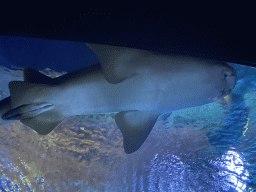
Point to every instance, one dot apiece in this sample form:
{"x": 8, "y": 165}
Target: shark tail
{"x": 5, "y": 106}
{"x": 26, "y": 111}
{"x": 27, "y": 104}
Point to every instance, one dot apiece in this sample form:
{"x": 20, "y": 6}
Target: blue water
{"x": 18, "y": 52}
{"x": 207, "y": 148}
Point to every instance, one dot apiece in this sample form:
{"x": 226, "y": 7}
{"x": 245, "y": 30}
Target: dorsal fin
{"x": 33, "y": 76}
{"x": 118, "y": 63}
{"x": 44, "y": 123}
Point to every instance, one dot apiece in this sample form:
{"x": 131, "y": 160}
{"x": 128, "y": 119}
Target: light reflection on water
{"x": 208, "y": 148}
{"x": 233, "y": 170}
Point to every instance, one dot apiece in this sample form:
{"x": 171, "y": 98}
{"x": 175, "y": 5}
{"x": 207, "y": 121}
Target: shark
{"x": 138, "y": 85}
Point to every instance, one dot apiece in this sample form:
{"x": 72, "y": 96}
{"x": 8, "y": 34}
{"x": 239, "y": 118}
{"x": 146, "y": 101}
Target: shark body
{"x": 138, "y": 84}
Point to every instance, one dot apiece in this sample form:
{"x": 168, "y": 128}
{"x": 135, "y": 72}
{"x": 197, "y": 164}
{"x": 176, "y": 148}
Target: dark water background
{"x": 207, "y": 148}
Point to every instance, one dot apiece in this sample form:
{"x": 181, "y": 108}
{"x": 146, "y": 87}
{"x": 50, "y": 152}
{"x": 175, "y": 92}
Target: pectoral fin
{"x": 135, "y": 127}
{"x": 118, "y": 63}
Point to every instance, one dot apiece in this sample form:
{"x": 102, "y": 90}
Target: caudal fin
{"x": 27, "y": 111}
{"x": 5, "y": 106}
{"x": 28, "y": 102}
